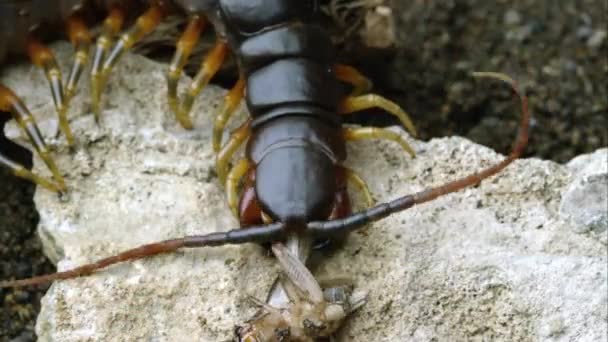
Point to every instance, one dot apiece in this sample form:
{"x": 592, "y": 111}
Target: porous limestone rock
{"x": 511, "y": 259}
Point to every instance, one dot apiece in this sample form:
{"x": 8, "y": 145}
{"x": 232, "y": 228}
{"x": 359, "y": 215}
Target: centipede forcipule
{"x": 293, "y": 179}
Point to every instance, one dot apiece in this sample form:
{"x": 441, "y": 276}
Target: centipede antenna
{"x": 254, "y": 234}
{"x": 355, "y": 221}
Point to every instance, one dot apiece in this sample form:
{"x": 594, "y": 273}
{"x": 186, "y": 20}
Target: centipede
{"x": 291, "y": 187}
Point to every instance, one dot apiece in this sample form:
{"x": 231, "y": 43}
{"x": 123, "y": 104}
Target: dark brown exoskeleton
{"x": 292, "y": 182}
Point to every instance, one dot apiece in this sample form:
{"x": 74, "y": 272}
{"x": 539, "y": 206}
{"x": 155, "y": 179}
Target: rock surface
{"x": 507, "y": 260}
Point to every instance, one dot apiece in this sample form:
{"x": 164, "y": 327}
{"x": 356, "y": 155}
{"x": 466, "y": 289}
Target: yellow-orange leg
{"x": 231, "y": 102}
{"x": 360, "y": 184}
{"x": 145, "y": 24}
{"x": 237, "y": 138}
{"x": 9, "y": 102}
{"x": 350, "y": 75}
{"x": 111, "y": 27}
{"x": 354, "y": 104}
{"x": 81, "y": 40}
{"x": 232, "y": 184}
{"x": 377, "y": 133}
{"x": 43, "y": 57}
{"x": 209, "y": 67}
{"x": 184, "y": 47}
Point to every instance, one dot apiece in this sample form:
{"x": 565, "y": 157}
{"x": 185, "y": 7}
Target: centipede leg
{"x": 350, "y": 75}
{"x": 377, "y": 133}
{"x": 354, "y": 104}
{"x": 209, "y": 67}
{"x": 81, "y": 40}
{"x": 360, "y": 184}
{"x": 184, "y": 48}
{"x": 232, "y": 183}
{"x": 111, "y": 27}
{"x": 144, "y": 25}
{"x": 9, "y": 102}
{"x": 20, "y": 171}
{"x": 237, "y": 138}
{"x": 231, "y": 102}
{"x": 43, "y": 57}
{"x": 355, "y": 221}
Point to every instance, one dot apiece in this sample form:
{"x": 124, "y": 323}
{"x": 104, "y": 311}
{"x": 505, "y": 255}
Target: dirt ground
{"x": 557, "y": 52}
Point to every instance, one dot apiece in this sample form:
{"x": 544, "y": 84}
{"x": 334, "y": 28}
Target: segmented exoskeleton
{"x": 292, "y": 183}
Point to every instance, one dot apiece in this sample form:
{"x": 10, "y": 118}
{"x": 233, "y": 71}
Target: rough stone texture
{"x": 502, "y": 261}
{"x": 586, "y": 199}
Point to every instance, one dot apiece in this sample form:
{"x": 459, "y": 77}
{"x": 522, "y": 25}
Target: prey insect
{"x": 291, "y": 185}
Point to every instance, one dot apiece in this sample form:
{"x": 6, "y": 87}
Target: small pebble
{"x": 597, "y": 38}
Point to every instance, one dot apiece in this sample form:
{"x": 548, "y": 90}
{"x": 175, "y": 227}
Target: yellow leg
{"x": 209, "y": 67}
{"x": 81, "y": 40}
{"x": 360, "y": 184}
{"x": 145, "y": 24}
{"x": 231, "y": 102}
{"x": 111, "y": 27}
{"x": 232, "y": 183}
{"x": 237, "y": 138}
{"x": 377, "y": 133}
{"x": 183, "y": 50}
{"x": 9, "y": 102}
{"x": 20, "y": 171}
{"x": 354, "y": 104}
{"x": 350, "y": 75}
{"x": 43, "y": 57}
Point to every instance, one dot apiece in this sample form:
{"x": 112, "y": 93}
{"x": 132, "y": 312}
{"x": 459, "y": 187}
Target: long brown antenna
{"x": 355, "y": 221}
{"x": 263, "y": 233}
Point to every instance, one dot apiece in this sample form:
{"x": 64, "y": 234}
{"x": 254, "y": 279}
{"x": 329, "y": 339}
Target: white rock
{"x": 502, "y": 261}
{"x": 585, "y": 201}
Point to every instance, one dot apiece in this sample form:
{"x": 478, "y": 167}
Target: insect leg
{"x": 354, "y": 104}
{"x": 184, "y": 47}
{"x": 380, "y": 211}
{"x": 9, "y": 102}
{"x": 377, "y": 133}
{"x": 232, "y": 183}
{"x": 81, "y": 40}
{"x": 237, "y": 138}
{"x": 350, "y": 75}
{"x": 298, "y": 273}
{"x": 145, "y": 24}
{"x": 231, "y": 102}
{"x": 43, "y": 57}
{"x": 209, "y": 67}
{"x": 256, "y": 234}
{"x": 111, "y": 27}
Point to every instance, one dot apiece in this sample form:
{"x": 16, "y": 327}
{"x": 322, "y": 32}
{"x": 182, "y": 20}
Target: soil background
{"x": 557, "y": 51}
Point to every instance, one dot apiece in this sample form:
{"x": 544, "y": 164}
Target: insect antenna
{"x": 255, "y": 234}
{"x": 358, "y": 220}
